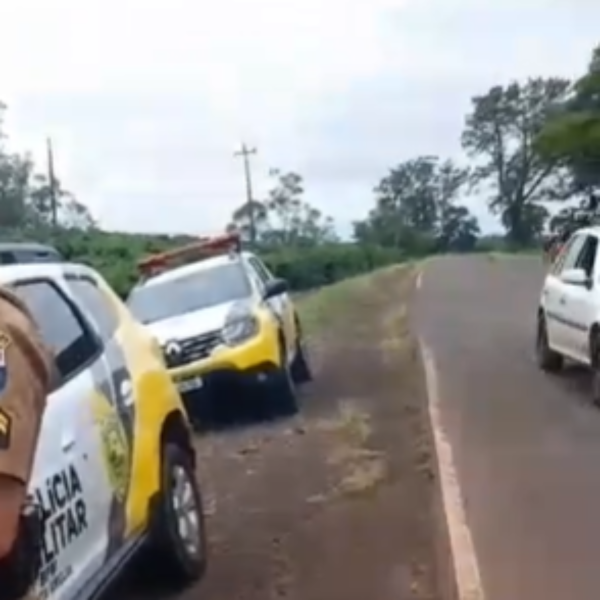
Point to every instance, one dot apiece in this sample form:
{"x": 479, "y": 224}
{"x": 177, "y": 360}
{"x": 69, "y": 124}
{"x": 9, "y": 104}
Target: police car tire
{"x": 284, "y": 396}
{"x": 168, "y": 549}
{"x": 300, "y": 369}
{"x": 546, "y": 358}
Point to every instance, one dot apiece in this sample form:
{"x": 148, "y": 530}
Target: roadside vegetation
{"x": 328, "y": 306}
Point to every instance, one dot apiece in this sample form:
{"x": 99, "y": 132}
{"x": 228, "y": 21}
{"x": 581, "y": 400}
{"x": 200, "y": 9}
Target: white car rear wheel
{"x": 547, "y": 359}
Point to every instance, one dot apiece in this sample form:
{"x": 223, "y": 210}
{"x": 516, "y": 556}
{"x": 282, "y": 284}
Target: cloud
{"x": 146, "y": 101}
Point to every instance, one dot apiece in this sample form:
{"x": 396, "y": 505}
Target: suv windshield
{"x": 203, "y": 289}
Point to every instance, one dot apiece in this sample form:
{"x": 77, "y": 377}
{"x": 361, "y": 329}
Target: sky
{"x": 146, "y": 102}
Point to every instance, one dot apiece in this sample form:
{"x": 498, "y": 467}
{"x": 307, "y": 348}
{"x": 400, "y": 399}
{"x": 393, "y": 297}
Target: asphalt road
{"x": 526, "y": 444}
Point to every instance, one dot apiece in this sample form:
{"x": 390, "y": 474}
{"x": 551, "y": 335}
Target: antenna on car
{"x": 205, "y": 247}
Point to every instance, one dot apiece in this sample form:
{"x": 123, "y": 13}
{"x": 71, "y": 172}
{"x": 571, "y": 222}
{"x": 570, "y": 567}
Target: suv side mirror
{"x": 275, "y": 287}
{"x": 575, "y": 277}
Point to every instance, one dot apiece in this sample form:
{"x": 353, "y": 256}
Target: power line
{"x": 245, "y": 153}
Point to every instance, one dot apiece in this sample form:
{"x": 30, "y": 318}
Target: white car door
{"x": 68, "y": 477}
{"x": 579, "y": 302}
{"x": 554, "y": 296}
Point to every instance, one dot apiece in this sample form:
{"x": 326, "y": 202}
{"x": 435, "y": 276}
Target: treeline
{"x": 306, "y": 267}
{"x": 529, "y": 146}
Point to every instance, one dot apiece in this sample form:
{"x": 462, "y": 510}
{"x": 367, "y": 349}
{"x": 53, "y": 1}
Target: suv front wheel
{"x": 283, "y": 394}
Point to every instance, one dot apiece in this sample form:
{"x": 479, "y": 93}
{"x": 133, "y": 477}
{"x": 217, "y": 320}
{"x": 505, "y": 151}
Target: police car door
{"x": 279, "y": 304}
{"x": 262, "y": 279}
{"x": 68, "y": 481}
{"x": 115, "y": 411}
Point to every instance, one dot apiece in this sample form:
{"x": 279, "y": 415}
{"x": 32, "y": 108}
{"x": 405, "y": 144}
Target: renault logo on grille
{"x": 173, "y": 349}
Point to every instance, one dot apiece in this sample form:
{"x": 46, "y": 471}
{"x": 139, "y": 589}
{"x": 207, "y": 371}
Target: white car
{"x": 114, "y": 468}
{"x": 568, "y": 322}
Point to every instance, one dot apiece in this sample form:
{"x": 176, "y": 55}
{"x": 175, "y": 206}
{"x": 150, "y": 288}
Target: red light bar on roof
{"x": 200, "y": 250}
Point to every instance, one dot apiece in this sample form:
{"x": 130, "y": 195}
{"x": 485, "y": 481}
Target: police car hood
{"x": 195, "y": 323}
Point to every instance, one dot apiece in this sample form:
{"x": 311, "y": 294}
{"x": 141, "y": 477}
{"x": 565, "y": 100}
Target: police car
{"x": 227, "y": 326}
{"x": 27, "y": 252}
{"x": 568, "y": 318}
{"x": 114, "y": 471}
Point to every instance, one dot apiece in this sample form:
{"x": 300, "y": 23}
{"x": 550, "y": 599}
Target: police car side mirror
{"x": 575, "y": 277}
{"x": 275, "y": 287}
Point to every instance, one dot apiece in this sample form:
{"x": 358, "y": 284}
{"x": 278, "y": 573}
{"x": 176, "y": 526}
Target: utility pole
{"x": 52, "y": 184}
{"x": 245, "y": 153}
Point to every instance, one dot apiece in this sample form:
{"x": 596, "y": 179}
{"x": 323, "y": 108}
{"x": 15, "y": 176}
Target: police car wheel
{"x": 300, "y": 369}
{"x": 178, "y": 537}
{"x": 283, "y": 398}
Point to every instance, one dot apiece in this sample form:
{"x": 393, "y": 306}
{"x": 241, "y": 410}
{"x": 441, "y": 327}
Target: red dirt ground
{"x": 341, "y": 502}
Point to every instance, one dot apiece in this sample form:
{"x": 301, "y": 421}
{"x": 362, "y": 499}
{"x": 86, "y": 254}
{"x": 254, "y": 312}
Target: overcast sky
{"x": 146, "y": 101}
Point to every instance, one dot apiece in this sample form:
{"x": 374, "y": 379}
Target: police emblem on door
{"x": 116, "y": 454}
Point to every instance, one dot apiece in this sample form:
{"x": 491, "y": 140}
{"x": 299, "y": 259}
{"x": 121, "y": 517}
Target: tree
{"x": 459, "y": 230}
{"x": 294, "y": 221}
{"x": 571, "y": 135}
{"x": 74, "y": 214}
{"x": 499, "y": 133}
{"x": 415, "y": 207}
{"x": 70, "y": 212}
{"x": 241, "y": 220}
{"x": 284, "y": 218}
{"x": 26, "y": 197}
{"x": 533, "y": 218}
{"x": 15, "y": 175}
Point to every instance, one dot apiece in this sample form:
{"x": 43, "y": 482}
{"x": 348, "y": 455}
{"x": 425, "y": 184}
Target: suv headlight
{"x": 239, "y": 329}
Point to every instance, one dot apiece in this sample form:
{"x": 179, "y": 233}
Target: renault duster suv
{"x": 227, "y": 326}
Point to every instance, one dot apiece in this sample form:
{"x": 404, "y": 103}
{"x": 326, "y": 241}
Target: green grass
{"x": 321, "y": 308}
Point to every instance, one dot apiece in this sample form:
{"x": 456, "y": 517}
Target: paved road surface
{"x": 527, "y": 445}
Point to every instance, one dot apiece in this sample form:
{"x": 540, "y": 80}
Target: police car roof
{"x": 195, "y": 267}
{"x": 21, "y": 272}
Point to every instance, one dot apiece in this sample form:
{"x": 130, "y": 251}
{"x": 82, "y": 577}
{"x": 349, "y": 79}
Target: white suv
{"x": 114, "y": 468}
{"x": 568, "y": 321}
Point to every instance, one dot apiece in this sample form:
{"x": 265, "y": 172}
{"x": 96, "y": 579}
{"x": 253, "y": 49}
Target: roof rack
{"x": 205, "y": 247}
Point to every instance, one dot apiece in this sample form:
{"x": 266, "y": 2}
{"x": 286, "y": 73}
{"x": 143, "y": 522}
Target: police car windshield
{"x": 196, "y": 291}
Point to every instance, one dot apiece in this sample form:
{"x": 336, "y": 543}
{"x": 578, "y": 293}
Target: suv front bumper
{"x": 235, "y": 376}
{"x": 229, "y": 392}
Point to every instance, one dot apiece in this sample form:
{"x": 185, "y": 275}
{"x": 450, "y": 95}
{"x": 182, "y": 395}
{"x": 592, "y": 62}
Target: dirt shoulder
{"x": 339, "y": 503}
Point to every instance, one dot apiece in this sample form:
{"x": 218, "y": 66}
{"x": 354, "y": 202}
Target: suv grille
{"x": 197, "y": 347}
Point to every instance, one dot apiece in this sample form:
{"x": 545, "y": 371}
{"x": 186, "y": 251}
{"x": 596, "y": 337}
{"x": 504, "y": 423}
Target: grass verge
{"x": 374, "y": 438}
{"x": 372, "y": 308}
{"x": 329, "y": 305}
